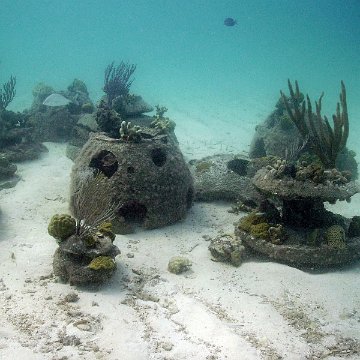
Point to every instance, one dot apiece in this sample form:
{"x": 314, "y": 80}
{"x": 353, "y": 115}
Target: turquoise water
{"x": 186, "y": 58}
{"x": 206, "y": 74}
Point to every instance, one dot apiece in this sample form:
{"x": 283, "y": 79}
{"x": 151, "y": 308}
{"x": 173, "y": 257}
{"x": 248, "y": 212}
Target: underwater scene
{"x": 179, "y": 180}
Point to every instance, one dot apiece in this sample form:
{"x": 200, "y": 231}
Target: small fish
{"x": 230, "y": 21}
{"x": 56, "y": 100}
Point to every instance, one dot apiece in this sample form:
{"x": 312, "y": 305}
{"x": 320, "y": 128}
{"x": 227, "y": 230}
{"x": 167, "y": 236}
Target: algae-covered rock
{"x": 260, "y": 230}
{"x": 89, "y": 246}
{"x": 295, "y": 253}
{"x": 227, "y": 248}
{"x": 102, "y": 263}
{"x": 76, "y": 270}
{"x": 258, "y": 225}
{"x": 334, "y": 236}
{"x": 62, "y": 226}
{"x": 179, "y": 264}
{"x": 86, "y": 259}
{"x": 107, "y": 230}
{"x": 251, "y": 219}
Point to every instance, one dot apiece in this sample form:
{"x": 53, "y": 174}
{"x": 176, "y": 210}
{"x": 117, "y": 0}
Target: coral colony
{"x": 291, "y": 224}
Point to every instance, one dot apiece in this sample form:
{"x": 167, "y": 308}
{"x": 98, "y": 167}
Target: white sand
{"x": 261, "y": 310}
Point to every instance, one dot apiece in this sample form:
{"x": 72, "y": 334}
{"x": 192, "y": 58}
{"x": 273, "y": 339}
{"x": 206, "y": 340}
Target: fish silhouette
{"x": 230, "y": 21}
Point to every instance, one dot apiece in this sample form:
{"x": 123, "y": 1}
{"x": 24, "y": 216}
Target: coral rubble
{"x": 227, "y": 248}
{"x": 179, "y": 264}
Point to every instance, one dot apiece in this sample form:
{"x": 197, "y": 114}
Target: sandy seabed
{"x": 260, "y": 310}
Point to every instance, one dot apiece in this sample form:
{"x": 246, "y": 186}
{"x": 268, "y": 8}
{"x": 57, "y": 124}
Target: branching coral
{"x": 160, "y": 111}
{"x": 130, "y": 132}
{"x": 7, "y": 93}
{"x": 117, "y": 80}
{"x": 325, "y": 141}
{"x": 160, "y": 122}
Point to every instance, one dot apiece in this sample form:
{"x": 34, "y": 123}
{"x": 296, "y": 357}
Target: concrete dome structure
{"x": 148, "y": 181}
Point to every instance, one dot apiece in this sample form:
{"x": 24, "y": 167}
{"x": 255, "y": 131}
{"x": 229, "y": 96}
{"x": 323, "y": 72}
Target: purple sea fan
{"x": 118, "y": 80}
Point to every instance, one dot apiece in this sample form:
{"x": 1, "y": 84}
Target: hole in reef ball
{"x": 158, "y": 156}
{"x": 133, "y": 211}
{"x": 105, "y": 161}
{"x": 238, "y": 166}
{"x": 130, "y": 169}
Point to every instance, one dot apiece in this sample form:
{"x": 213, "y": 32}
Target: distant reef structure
{"x": 52, "y": 117}
{"x": 54, "y": 114}
{"x": 16, "y": 141}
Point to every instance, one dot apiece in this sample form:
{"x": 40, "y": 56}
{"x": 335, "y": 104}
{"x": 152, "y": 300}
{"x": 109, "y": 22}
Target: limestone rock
{"x": 227, "y": 248}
